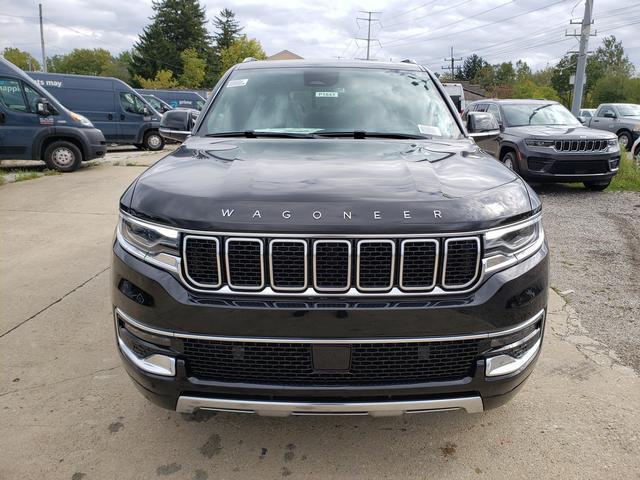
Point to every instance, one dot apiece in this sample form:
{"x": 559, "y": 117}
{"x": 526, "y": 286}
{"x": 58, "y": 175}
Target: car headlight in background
{"x": 155, "y": 244}
{"x": 613, "y": 142}
{"x": 81, "y": 119}
{"x": 636, "y": 127}
{"x": 507, "y": 246}
{"x": 534, "y": 142}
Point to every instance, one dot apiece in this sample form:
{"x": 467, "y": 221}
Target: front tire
{"x": 624, "y": 138}
{"x": 597, "y": 186}
{"x": 63, "y": 156}
{"x": 153, "y": 141}
{"x": 509, "y": 161}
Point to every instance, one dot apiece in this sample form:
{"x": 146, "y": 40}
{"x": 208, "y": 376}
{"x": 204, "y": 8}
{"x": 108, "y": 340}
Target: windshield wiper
{"x": 360, "y": 134}
{"x": 256, "y": 134}
{"x": 536, "y": 110}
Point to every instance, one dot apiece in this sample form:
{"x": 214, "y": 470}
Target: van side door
{"x": 133, "y": 113}
{"x": 19, "y": 120}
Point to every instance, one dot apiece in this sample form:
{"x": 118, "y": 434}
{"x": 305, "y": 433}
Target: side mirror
{"x": 582, "y": 119}
{"x": 482, "y": 125}
{"x": 609, "y": 115}
{"x": 177, "y": 124}
{"x": 146, "y": 111}
{"x": 43, "y": 107}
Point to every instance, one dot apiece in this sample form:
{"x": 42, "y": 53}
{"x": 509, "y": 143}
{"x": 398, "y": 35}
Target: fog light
{"x": 156, "y": 363}
{"x": 505, "y": 364}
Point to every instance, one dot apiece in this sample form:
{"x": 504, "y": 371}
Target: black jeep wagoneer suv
{"x": 329, "y": 239}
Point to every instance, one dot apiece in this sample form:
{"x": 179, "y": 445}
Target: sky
{"x": 497, "y": 30}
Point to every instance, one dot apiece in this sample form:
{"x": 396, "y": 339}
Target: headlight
{"x": 152, "y": 243}
{"x": 534, "y": 142}
{"x": 507, "y": 246}
{"x": 613, "y": 142}
{"x": 81, "y": 119}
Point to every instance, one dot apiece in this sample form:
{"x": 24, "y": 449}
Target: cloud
{"x": 419, "y": 29}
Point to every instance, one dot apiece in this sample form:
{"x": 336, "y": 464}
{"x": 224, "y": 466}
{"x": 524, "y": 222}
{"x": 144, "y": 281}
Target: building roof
{"x": 285, "y": 55}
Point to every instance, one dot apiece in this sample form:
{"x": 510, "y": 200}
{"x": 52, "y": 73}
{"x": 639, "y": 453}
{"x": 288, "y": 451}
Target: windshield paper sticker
{"x": 429, "y": 130}
{"x": 327, "y": 94}
{"x": 237, "y": 83}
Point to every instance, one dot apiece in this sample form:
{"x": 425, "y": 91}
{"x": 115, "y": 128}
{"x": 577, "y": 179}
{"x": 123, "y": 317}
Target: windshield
{"x": 310, "y": 100}
{"x": 519, "y": 114}
{"x": 629, "y": 110}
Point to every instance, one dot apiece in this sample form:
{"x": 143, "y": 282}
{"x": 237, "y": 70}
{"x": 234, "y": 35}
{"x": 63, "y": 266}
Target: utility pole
{"x": 368, "y": 19}
{"x": 44, "y": 57}
{"x": 453, "y": 61}
{"x": 585, "y": 33}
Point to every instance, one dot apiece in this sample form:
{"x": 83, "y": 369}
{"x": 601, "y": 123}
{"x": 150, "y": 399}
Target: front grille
{"x": 580, "y": 145}
{"x": 292, "y": 364}
{"x": 571, "y": 167}
{"x": 330, "y": 265}
{"x": 461, "y": 262}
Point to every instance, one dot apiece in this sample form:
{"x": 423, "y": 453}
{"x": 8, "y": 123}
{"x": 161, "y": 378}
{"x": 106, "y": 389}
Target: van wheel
{"x": 596, "y": 186}
{"x": 153, "y": 141}
{"x": 63, "y": 156}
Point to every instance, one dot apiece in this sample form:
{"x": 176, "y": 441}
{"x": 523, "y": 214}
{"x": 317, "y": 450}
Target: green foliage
{"x": 240, "y": 49}
{"x": 616, "y": 87}
{"x": 527, "y": 88}
{"x": 97, "y": 61}
{"x": 21, "y": 59}
{"x": 628, "y": 176}
{"x": 194, "y": 69}
{"x": 471, "y": 67}
{"x": 227, "y": 29}
{"x": 163, "y": 79}
{"x": 176, "y": 26}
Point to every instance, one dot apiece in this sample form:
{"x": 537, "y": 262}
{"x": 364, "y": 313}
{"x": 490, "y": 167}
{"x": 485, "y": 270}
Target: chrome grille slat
{"x": 331, "y": 265}
{"x": 245, "y": 263}
{"x": 419, "y": 264}
{"x": 458, "y": 271}
{"x": 202, "y": 260}
{"x": 288, "y": 264}
{"x": 579, "y": 146}
{"x": 375, "y": 265}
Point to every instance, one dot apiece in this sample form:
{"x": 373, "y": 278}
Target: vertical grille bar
{"x": 332, "y": 265}
{"x": 288, "y": 264}
{"x": 461, "y": 262}
{"x": 201, "y": 257}
{"x": 419, "y": 264}
{"x": 245, "y": 263}
{"x": 375, "y": 265}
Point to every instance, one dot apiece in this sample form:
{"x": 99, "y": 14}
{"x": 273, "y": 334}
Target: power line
{"x": 413, "y": 9}
{"x": 429, "y": 14}
{"x": 453, "y": 60}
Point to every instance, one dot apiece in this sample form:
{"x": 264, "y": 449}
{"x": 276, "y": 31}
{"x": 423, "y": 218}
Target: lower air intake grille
{"x": 462, "y": 257}
{"x": 245, "y": 268}
{"x": 568, "y": 167}
{"x": 292, "y": 364}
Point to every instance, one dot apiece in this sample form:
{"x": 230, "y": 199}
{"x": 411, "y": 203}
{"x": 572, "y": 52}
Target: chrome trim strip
{"x": 156, "y": 364}
{"x": 496, "y": 366}
{"x": 188, "y": 404}
{"x": 435, "y": 264}
{"x": 334, "y": 235}
{"x": 393, "y": 265}
{"x": 226, "y": 260}
{"x": 315, "y": 276}
{"x": 126, "y": 318}
{"x": 444, "y": 262}
{"x": 186, "y": 268}
{"x": 306, "y": 263}
{"x": 511, "y": 346}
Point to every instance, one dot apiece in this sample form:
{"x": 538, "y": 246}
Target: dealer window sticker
{"x": 327, "y": 94}
{"x": 241, "y": 82}
{"x": 429, "y": 130}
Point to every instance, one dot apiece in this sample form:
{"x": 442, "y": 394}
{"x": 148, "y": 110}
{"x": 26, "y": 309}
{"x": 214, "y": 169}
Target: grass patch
{"x": 22, "y": 176}
{"x": 49, "y": 173}
{"x": 2, "y": 180}
{"x": 628, "y": 177}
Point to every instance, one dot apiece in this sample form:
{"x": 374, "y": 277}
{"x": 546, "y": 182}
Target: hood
{"x": 290, "y": 185}
{"x": 560, "y": 132}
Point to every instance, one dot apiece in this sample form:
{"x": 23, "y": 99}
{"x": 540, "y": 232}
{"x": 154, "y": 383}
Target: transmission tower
{"x": 369, "y": 19}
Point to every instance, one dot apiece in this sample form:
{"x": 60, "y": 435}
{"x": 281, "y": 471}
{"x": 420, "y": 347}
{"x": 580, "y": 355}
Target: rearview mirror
{"x": 177, "y": 124}
{"x": 482, "y": 125}
{"x": 43, "y": 107}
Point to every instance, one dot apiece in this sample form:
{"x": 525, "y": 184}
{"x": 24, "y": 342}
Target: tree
{"x": 505, "y": 73}
{"x": 21, "y": 59}
{"x": 227, "y": 29}
{"x": 471, "y": 67}
{"x": 616, "y": 87}
{"x": 176, "y": 26}
{"x": 163, "y": 79}
{"x": 193, "y": 69}
{"x": 240, "y": 49}
{"x": 527, "y": 88}
{"x": 523, "y": 71}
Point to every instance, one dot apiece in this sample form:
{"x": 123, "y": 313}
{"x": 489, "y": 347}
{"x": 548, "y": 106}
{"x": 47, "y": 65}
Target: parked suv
{"x": 623, "y": 119}
{"x": 329, "y": 240}
{"x": 35, "y": 126}
{"x": 543, "y": 142}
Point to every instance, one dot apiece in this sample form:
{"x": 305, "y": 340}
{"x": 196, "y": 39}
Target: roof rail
{"x": 249, "y": 59}
{"x": 409, "y": 60}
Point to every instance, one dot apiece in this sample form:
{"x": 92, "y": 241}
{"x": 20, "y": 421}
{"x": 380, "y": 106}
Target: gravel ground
{"x": 595, "y": 262}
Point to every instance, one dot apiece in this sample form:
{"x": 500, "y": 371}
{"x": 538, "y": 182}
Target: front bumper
{"x": 96, "y": 146}
{"x": 505, "y": 303}
{"x": 545, "y": 165}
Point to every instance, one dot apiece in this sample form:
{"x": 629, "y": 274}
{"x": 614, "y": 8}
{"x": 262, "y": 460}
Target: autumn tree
{"x": 240, "y": 49}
